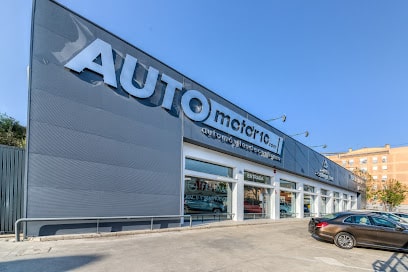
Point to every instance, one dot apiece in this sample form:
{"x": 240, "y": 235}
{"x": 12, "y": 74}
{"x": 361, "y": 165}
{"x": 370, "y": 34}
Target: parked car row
{"x": 250, "y": 206}
{"x": 203, "y": 205}
{"x": 372, "y": 229}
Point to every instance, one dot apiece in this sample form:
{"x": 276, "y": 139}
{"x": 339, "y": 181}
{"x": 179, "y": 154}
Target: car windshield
{"x": 403, "y": 215}
{"x": 391, "y": 216}
{"x": 397, "y": 218}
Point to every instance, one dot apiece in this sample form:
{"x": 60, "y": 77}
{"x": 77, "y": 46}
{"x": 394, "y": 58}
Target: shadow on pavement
{"x": 397, "y": 262}
{"x": 51, "y": 264}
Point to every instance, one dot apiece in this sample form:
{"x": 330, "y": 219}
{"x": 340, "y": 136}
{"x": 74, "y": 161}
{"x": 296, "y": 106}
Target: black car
{"x": 349, "y": 229}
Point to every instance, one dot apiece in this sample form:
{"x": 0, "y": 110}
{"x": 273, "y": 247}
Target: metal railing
{"x": 256, "y": 216}
{"x": 211, "y": 216}
{"x": 97, "y": 219}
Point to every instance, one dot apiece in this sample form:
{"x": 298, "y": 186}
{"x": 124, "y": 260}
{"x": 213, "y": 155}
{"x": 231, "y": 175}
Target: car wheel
{"x": 216, "y": 211}
{"x": 344, "y": 240}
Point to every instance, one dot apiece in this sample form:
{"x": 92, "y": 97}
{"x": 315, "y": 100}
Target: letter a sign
{"x": 86, "y": 59}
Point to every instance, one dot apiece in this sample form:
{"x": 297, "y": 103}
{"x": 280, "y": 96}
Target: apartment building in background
{"x": 382, "y": 163}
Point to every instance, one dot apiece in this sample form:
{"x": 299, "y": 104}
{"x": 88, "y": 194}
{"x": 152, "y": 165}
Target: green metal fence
{"x": 12, "y": 163}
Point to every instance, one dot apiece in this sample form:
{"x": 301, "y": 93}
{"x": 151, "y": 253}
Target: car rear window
{"x": 331, "y": 215}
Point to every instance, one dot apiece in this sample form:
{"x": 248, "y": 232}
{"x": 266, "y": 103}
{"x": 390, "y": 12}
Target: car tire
{"x": 344, "y": 240}
{"x": 216, "y": 210}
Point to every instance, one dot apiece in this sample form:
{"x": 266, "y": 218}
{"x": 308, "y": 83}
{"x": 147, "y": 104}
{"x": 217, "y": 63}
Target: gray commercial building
{"x": 115, "y": 132}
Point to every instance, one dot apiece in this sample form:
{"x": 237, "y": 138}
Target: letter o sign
{"x": 185, "y": 104}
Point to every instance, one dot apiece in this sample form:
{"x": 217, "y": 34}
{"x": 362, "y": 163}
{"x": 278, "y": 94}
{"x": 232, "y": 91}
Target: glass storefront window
{"x": 206, "y": 196}
{"x": 336, "y": 204}
{"x": 336, "y": 194}
{"x": 287, "y": 206}
{"x": 323, "y": 205}
{"x": 308, "y": 205}
{"x": 324, "y": 192}
{"x": 287, "y": 184}
{"x": 256, "y": 202}
{"x": 352, "y": 201}
{"x": 345, "y": 204}
{"x": 209, "y": 168}
{"x": 308, "y": 188}
{"x": 250, "y": 176}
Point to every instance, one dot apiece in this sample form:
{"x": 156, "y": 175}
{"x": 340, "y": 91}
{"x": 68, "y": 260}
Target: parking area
{"x": 263, "y": 245}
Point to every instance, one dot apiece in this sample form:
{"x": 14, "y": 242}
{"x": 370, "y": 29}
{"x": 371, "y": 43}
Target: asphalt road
{"x": 276, "y": 246}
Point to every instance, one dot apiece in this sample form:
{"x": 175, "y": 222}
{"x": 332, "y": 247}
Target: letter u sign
{"x": 85, "y": 59}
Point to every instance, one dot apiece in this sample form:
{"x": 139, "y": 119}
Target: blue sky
{"x": 338, "y": 69}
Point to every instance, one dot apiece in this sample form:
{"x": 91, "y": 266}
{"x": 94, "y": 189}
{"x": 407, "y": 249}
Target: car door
{"x": 362, "y": 229}
{"x": 388, "y": 234}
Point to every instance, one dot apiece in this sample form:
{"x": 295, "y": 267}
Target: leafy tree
{"x": 392, "y": 194}
{"x": 366, "y": 180}
{"x": 11, "y": 132}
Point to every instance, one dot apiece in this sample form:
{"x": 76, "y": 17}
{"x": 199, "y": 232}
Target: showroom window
{"x": 352, "y": 202}
{"x": 209, "y": 168}
{"x": 287, "y": 206}
{"x": 336, "y": 202}
{"x": 324, "y": 200}
{"x": 308, "y": 188}
{"x": 203, "y": 196}
{"x": 256, "y": 202}
{"x": 323, "y": 205}
{"x": 287, "y": 184}
{"x": 308, "y": 205}
{"x": 345, "y": 202}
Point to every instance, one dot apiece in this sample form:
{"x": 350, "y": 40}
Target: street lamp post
{"x": 283, "y": 117}
{"x": 305, "y": 132}
{"x": 322, "y": 146}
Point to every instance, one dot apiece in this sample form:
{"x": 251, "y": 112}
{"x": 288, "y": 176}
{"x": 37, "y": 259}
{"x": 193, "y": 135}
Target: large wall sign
{"x": 207, "y": 111}
{"x": 324, "y": 172}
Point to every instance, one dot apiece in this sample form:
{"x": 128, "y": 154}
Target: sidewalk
{"x": 196, "y": 225}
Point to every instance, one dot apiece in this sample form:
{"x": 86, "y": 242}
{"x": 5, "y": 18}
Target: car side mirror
{"x": 400, "y": 228}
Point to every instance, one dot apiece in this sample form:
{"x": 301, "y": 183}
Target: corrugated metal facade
{"x": 11, "y": 186}
{"x": 93, "y": 151}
